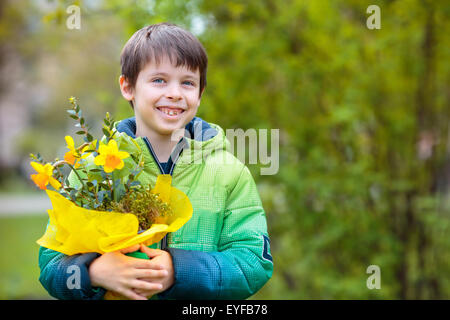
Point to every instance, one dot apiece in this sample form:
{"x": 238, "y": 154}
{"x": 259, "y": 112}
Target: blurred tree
{"x": 365, "y": 122}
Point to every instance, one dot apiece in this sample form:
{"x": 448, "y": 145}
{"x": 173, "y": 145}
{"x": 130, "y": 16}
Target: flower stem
{"x": 82, "y": 182}
{"x": 113, "y": 193}
{"x": 63, "y": 185}
{"x": 79, "y": 178}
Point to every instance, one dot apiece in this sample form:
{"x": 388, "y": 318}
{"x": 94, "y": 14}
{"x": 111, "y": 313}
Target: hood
{"x": 199, "y": 136}
{"x": 197, "y": 129}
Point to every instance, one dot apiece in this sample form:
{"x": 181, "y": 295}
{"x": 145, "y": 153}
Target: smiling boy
{"x": 165, "y": 98}
{"x": 223, "y": 251}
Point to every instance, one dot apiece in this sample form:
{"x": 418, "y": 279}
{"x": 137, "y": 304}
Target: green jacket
{"x": 223, "y": 251}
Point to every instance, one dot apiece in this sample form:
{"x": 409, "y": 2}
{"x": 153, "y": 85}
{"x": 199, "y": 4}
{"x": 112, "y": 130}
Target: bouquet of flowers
{"x": 99, "y": 203}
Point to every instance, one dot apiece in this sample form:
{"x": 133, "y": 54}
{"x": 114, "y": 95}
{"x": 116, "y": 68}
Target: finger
{"x": 146, "y": 264}
{"x": 130, "y": 249}
{"x": 130, "y": 294}
{"x": 147, "y": 294}
{"x": 150, "y": 273}
{"x": 151, "y": 253}
{"x": 146, "y": 286}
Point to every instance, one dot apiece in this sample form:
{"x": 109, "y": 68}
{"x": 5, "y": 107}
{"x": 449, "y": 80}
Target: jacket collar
{"x": 199, "y": 135}
{"x": 197, "y": 129}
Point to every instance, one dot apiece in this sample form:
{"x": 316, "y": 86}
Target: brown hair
{"x": 152, "y": 43}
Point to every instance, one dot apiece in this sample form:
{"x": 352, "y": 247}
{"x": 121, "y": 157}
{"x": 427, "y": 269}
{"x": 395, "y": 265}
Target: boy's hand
{"x": 163, "y": 259}
{"x": 119, "y": 273}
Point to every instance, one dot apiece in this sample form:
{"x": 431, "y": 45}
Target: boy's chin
{"x": 174, "y": 131}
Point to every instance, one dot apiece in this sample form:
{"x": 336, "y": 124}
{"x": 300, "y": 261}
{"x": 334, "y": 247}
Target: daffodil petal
{"x": 112, "y": 144}
{"x": 48, "y": 169}
{"x": 40, "y": 179}
{"x": 37, "y": 166}
{"x": 85, "y": 155}
{"x": 102, "y": 148}
{"x": 100, "y": 160}
{"x": 123, "y": 154}
{"x": 120, "y": 165}
{"x": 69, "y": 157}
{"x": 55, "y": 183}
{"x": 70, "y": 143}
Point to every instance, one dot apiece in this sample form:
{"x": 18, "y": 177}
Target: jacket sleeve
{"x": 243, "y": 263}
{"x": 67, "y": 277}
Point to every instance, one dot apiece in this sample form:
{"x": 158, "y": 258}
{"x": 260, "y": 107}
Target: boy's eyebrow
{"x": 159, "y": 74}
{"x": 186, "y": 75}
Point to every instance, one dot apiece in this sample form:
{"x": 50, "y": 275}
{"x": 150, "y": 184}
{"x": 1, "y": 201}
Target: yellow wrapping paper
{"x": 73, "y": 229}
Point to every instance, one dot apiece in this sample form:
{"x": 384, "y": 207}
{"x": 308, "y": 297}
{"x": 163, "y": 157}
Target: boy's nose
{"x": 173, "y": 92}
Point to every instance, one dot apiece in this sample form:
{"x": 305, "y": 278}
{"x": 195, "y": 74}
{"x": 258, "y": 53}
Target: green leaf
{"x": 104, "y": 185}
{"x": 101, "y": 195}
{"x": 106, "y": 132}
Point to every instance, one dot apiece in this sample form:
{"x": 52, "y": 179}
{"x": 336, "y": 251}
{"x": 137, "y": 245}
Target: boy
{"x": 223, "y": 251}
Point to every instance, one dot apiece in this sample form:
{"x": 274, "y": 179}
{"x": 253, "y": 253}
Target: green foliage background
{"x": 363, "y": 114}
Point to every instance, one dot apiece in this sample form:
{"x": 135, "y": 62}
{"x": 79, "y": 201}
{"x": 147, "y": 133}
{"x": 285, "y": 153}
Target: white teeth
{"x": 170, "y": 112}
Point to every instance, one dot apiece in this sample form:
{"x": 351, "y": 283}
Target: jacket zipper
{"x": 153, "y": 154}
{"x": 164, "y": 242}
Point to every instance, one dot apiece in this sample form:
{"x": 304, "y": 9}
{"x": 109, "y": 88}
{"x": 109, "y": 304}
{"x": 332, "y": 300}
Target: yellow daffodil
{"x": 110, "y": 157}
{"x": 71, "y": 155}
{"x": 44, "y": 176}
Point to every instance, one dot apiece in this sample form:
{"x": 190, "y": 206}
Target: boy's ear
{"x": 126, "y": 88}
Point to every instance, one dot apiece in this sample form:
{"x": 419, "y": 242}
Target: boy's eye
{"x": 158, "y": 80}
{"x": 189, "y": 83}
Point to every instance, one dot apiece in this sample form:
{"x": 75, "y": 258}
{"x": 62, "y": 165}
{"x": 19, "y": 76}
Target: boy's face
{"x": 165, "y": 97}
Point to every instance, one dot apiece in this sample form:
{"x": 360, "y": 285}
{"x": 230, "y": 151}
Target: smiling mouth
{"x": 170, "y": 111}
